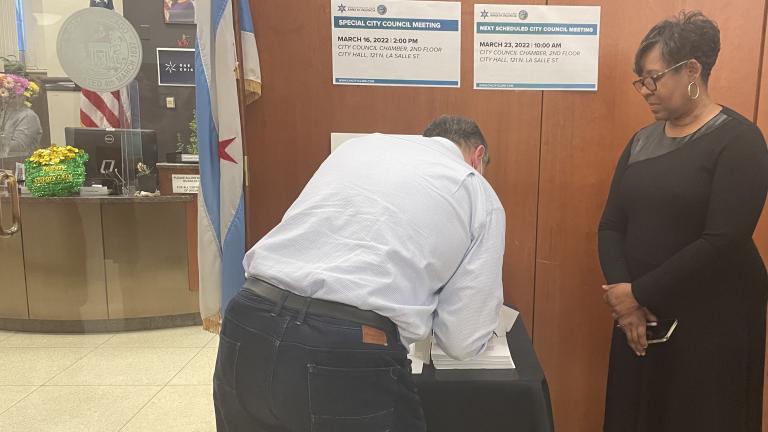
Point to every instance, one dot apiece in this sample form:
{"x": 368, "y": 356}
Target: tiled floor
{"x": 157, "y": 380}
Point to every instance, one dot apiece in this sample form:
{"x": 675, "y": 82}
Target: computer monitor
{"x": 119, "y": 145}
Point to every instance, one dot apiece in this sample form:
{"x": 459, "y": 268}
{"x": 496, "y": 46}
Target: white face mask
{"x": 479, "y": 167}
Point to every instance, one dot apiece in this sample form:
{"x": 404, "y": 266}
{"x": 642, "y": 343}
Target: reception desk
{"x": 83, "y": 264}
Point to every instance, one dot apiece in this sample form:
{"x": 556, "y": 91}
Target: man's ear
{"x": 480, "y": 154}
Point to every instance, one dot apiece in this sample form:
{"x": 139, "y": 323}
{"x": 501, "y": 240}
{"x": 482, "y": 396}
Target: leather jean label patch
{"x": 374, "y": 336}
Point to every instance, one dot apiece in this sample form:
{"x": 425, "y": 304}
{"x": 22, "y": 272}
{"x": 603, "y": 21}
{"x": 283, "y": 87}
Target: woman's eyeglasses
{"x": 649, "y": 82}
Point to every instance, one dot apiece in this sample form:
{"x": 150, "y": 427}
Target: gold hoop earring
{"x": 690, "y": 93}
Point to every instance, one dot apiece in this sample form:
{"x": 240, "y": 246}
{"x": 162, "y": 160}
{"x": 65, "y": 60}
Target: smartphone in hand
{"x": 661, "y": 331}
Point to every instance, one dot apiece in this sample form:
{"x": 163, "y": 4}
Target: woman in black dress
{"x": 675, "y": 242}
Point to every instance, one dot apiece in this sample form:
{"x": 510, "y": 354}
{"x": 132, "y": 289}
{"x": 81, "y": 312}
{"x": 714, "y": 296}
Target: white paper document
{"x": 396, "y": 43}
{"x": 507, "y": 318}
{"x": 495, "y": 356}
{"x": 416, "y": 365}
{"x": 339, "y": 138}
{"x": 419, "y": 354}
{"x": 529, "y": 47}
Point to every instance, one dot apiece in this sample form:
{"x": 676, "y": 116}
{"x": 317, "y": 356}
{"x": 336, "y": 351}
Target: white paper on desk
{"x": 419, "y": 353}
{"x": 507, "y": 318}
{"x": 496, "y": 354}
{"x": 339, "y": 138}
{"x": 416, "y": 365}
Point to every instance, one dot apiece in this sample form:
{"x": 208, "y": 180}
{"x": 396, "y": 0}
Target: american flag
{"x": 108, "y": 109}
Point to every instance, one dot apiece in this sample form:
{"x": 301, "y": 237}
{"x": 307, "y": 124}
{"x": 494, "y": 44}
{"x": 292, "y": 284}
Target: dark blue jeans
{"x": 277, "y": 371}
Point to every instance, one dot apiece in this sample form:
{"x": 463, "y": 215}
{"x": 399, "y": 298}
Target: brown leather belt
{"x": 319, "y": 307}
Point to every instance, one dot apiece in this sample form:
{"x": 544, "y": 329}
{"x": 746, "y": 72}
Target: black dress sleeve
{"x": 737, "y": 197}
{"x": 613, "y": 226}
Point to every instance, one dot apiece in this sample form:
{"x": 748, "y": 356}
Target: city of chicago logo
{"x": 342, "y": 8}
{"x": 522, "y": 15}
{"x": 99, "y": 49}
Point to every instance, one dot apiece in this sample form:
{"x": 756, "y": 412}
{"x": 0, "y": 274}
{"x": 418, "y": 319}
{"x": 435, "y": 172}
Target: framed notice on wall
{"x": 526, "y": 47}
{"x": 176, "y": 66}
{"x": 396, "y": 43}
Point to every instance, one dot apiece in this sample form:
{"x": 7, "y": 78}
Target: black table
{"x": 511, "y": 400}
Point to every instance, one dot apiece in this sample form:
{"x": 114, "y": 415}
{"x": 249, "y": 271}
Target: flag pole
{"x": 240, "y": 74}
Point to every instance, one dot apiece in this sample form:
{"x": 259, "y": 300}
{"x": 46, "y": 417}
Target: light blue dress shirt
{"x": 402, "y": 226}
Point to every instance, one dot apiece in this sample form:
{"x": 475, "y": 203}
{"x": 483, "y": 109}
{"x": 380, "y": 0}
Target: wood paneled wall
{"x": 553, "y": 156}
{"x": 583, "y": 135}
{"x": 288, "y": 129}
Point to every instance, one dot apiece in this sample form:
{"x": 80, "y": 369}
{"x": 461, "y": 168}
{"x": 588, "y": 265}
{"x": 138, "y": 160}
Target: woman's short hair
{"x": 689, "y": 35}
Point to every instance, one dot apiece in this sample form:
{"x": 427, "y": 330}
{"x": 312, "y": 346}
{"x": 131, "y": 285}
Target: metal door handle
{"x": 13, "y": 193}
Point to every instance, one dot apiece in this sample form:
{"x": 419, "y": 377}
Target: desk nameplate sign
{"x": 185, "y": 183}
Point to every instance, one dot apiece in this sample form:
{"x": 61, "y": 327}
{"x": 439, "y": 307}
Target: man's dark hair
{"x": 461, "y": 131}
{"x": 689, "y": 35}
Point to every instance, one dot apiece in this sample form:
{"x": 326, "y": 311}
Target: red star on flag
{"x": 223, "y": 150}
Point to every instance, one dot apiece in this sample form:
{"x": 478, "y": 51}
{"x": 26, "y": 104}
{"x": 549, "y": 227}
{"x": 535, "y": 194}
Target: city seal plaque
{"x": 99, "y": 49}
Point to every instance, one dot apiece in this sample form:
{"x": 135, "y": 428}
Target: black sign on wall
{"x": 176, "y": 66}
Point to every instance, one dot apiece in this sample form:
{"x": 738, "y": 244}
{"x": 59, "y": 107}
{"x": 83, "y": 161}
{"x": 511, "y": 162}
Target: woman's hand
{"x": 631, "y": 316}
{"x": 620, "y": 298}
{"x": 633, "y": 324}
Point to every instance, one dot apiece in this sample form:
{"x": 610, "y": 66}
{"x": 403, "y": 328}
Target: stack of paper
{"x": 495, "y": 356}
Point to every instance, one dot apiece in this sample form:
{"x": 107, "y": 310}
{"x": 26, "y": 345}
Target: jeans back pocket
{"x": 352, "y": 399}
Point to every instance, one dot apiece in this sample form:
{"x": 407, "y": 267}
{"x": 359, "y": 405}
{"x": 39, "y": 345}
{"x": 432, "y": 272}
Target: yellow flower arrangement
{"x": 54, "y": 155}
{"x": 55, "y": 171}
